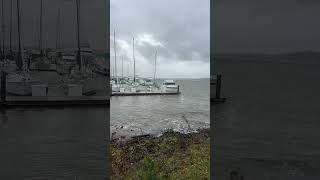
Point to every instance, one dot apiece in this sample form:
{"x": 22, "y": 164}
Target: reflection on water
{"x": 269, "y": 126}
{"x": 52, "y": 143}
{"x": 3, "y": 117}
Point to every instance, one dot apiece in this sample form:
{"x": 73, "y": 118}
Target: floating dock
{"x": 142, "y": 93}
{"x": 43, "y": 100}
{"x": 55, "y": 101}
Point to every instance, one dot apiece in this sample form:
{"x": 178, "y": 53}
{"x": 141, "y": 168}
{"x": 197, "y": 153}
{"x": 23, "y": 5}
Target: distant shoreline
{"x": 306, "y": 57}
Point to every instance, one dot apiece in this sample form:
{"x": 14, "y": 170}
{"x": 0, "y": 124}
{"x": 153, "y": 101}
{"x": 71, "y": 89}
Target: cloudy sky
{"x": 178, "y": 30}
{"x": 93, "y": 22}
{"x": 267, "y": 26}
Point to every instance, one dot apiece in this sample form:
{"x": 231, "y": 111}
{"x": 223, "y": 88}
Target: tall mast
{"x": 10, "y": 43}
{"x": 40, "y": 29}
{"x": 58, "y": 31}
{"x": 128, "y": 70}
{"x": 19, "y": 37}
{"x": 122, "y": 67}
{"x": 134, "y": 63}
{"x": 1, "y": 31}
{"x": 155, "y": 67}
{"x": 2, "y": 26}
{"x": 112, "y": 69}
{"x": 78, "y": 34}
{"x": 115, "y": 54}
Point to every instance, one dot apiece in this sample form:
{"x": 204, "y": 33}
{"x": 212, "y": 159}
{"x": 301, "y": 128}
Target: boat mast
{"x": 58, "y": 31}
{"x": 112, "y": 69}
{"x": 78, "y": 34}
{"x": 155, "y": 67}
{"x": 1, "y": 55}
{"x": 40, "y": 28}
{"x": 134, "y": 64}
{"x": 19, "y": 38}
{"x": 115, "y": 54}
{"x": 128, "y": 69}
{"x": 2, "y": 26}
{"x": 10, "y": 43}
{"x": 122, "y": 67}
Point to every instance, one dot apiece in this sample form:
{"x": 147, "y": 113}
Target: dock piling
{"x": 218, "y": 98}
{"x": 234, "y": 175}
{"x": 218, "y": 86}
{"x": 3, "y": 86}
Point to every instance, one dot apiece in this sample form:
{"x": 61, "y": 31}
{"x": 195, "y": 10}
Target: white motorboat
{"x": 170, "y": 86}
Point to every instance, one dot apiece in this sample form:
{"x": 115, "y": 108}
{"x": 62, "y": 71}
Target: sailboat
{"x": 3, "y": 32}
{"x": 19, "y": 82}
{"x": 115, "y": 87}
{"x": 89, "y": 71}
{"x": 40, "y": 60}
{"x": 10, "y": 55}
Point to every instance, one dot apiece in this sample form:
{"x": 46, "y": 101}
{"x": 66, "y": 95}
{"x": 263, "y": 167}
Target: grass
{"x": 170, "y": 156}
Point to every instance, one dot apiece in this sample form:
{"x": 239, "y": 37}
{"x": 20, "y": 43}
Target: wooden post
{"x": 218, "y": 98}
{"x": 3, "y": 86}
{"x": 218, "y": 86}
{"x": 234, "y": 175}
{"x": 178, "y": 89}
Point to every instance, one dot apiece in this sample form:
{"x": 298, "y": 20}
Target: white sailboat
{"x": 115, "y": 87}
{"x": 19, "y": 82}
{"x": 148, "y": 81}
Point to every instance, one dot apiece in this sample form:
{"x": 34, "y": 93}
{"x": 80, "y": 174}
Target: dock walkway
{"x": 55, "y": 101}
{"x": 142, "y": 93}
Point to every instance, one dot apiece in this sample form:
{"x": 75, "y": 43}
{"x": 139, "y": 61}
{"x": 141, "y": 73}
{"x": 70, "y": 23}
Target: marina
{"x": 52, "y": 76}
{"x": 54, "y": 104}
{"x": 153, "y": 114}
{"x": 137, "y": 86}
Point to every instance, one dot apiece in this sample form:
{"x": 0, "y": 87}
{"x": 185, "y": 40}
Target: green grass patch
{"x": 171, "y": 156}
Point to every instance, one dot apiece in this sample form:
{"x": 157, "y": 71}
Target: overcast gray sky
{"x": 179, "y": 30}
{"x": 266, "y": 26}
{"x": 93, "y": 26}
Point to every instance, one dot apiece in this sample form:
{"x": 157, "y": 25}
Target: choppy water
{"x": 269, "y": 127}
{"x": 189, "y": 111}
{"x": 64, "y": 143}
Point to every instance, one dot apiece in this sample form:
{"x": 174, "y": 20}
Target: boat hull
{"x": 19, "y": 88}
{"x": 174, "y": 89}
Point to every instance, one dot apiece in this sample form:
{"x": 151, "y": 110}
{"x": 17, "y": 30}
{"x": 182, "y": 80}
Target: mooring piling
{"x": 3, "y": 86}
{"x": 218, "y": 86}
{"x": 217, "y": 83}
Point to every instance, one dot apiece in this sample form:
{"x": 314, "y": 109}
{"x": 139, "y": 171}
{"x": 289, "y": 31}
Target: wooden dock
{"x": 143, "y": 93}
{"x": 55, "y": 101}
{"x": 30, "y": 101}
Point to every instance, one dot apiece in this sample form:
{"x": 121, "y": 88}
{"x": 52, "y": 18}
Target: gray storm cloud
{"x": 268, "y": 26}
{"x": 178, "y": 30}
